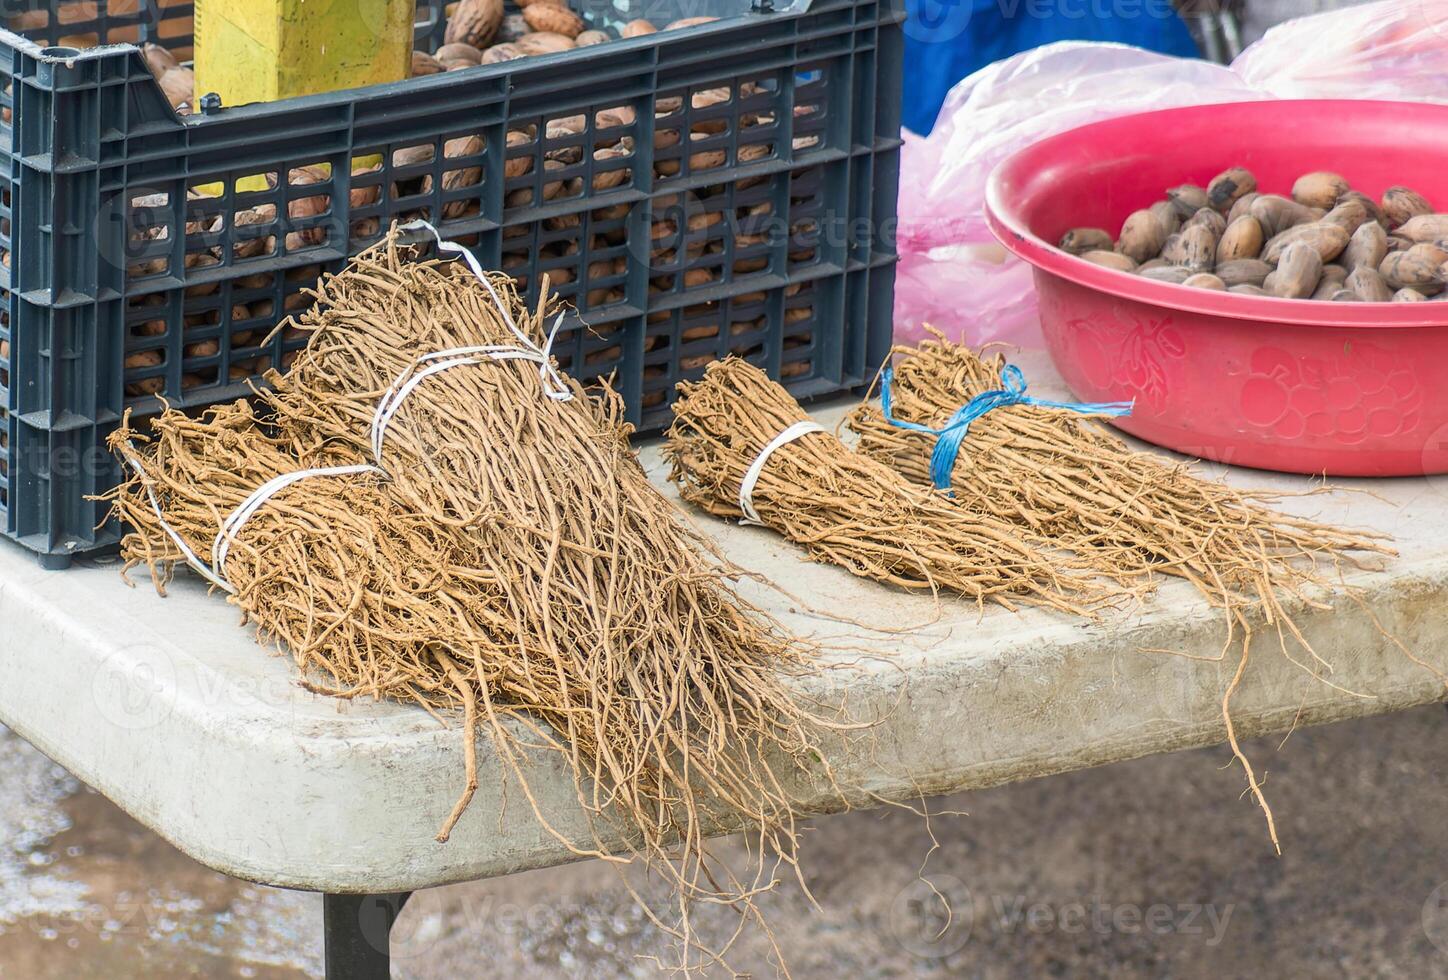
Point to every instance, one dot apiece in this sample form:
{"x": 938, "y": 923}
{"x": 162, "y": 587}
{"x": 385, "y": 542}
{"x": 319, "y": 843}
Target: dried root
{"x": 1056, "y": 473}
{"x": 331, "y": 568}
{"x": 851, "y": 510}
{"x": 515, "y": 563}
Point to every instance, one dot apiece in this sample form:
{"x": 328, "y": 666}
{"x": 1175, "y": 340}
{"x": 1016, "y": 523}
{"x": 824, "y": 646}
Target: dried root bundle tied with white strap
{"x": 666, "y": 690}
{"x": 328, "y": 567}
{"x": 1053, "y": 471}
{"x": 728, "y": 458}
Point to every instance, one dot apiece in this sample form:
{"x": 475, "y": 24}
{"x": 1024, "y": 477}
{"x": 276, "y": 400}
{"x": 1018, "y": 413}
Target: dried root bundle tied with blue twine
{"x": 953, "y": 418}
{"x": 561, "y": 592}
{"x": 742, "y": 447}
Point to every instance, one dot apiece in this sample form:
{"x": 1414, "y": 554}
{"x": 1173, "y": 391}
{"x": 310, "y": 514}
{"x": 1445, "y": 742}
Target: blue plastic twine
{"x": 951, "y": 435}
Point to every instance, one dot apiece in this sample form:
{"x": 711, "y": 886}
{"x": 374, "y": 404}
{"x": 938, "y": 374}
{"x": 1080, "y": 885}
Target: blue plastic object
{"x": 946, "y": 40}
{"x": 950, "y": 436}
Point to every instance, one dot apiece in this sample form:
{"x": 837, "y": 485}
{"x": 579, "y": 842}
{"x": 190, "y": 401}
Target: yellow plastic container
{"x": 264, "y": 50}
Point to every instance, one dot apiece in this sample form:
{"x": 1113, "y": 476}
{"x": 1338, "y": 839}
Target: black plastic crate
{"x": 749, "y": 211}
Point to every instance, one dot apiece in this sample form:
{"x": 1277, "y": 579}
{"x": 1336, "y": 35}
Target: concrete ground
{"x": 1147, "y": 868}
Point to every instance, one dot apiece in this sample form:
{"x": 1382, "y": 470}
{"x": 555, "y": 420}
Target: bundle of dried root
{"x": 1054, "y": 472}
{"x": 658, "y": 681}
{"x": 849, "y": 509}
{"x": 330, "y": 568}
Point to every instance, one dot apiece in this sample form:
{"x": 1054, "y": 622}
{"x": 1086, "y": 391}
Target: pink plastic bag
{"x": 953, "y": 275}
{"x": 1396, "y": 49}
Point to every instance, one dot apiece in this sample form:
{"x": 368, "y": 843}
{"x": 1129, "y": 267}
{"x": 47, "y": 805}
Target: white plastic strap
{"x": 437, "y": 362}
{"x": 234, "y": 522}
{"x": 751, "y": 476}
{"x": 553, "y": 384}
{"x": 192, "y": 559}
{"x": 554, "y": 387}
{"x": 215, "y": 573}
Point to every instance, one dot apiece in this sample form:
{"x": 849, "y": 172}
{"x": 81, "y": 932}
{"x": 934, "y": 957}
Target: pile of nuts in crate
{"x": 251, "y": 323}
{"x": 685, "y": 228}
{"x": 478, "y": 33}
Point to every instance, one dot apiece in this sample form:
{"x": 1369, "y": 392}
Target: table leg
{"x": 356, "y": 930}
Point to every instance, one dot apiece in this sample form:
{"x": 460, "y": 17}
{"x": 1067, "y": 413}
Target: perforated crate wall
{"x": 726, "y": 189}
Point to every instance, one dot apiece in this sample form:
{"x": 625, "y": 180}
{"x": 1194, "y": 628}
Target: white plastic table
{"x": 171, "y": 709}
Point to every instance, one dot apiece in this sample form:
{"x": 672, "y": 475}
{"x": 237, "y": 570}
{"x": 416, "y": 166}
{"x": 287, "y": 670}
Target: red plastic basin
{"x": 1350, "y": 389}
